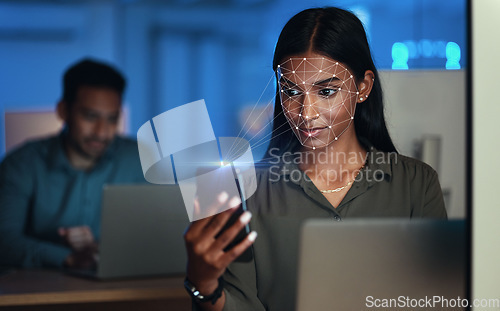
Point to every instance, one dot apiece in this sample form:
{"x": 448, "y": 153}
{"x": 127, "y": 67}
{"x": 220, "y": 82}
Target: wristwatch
{"x": 198, "y": 297}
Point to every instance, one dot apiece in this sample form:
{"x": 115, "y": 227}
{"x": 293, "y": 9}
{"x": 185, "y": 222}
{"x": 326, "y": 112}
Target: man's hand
{"x": 78, "y": 238}
{"x": 81, "y": 241}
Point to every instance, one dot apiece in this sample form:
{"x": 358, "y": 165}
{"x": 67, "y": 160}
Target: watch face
{"x": 193, "y": 292}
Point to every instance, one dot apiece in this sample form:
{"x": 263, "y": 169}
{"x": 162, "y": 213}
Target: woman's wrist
{"x": 205, "y": 292}
{"x": 207, "y": 288}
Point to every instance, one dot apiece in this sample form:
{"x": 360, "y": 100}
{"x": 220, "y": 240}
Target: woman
{"x": 330, "y": 156}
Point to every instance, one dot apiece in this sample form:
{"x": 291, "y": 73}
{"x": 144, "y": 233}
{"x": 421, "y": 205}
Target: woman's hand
{"x": 207, "y": 259}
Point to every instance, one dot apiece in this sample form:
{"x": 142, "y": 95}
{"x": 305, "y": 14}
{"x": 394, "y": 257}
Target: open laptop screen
{"x": 382, "y": 264}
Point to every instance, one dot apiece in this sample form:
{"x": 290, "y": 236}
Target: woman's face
{"x": 318, "y": 96}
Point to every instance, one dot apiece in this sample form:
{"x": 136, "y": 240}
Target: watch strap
{"x": 198, "y": 297}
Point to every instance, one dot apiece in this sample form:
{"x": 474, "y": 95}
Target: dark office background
{"x": 177, "y": 51}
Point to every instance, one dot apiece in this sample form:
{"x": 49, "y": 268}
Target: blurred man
{"x": 50, "y": 189}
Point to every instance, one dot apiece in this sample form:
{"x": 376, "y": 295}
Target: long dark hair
{"x": 339, "y": 35}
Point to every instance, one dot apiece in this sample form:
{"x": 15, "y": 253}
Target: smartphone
{"x": 209, "y": 188}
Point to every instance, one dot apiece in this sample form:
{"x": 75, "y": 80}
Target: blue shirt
{"x": 40, "y": 191}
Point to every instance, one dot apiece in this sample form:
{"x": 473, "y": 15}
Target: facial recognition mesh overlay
{"x": 319, "y": 97}
{"x": 189, "y": 154}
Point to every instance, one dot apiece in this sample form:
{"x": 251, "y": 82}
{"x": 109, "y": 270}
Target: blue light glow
{"x": 426, "y": 49}
{"x": 453, "y": 55}
{"x": 400, "y": 55}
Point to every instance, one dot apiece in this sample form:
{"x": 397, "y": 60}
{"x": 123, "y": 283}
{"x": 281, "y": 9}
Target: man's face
{"x": 92, "y": 121}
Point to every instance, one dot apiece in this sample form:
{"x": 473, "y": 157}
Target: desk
{"x": 54, "y": 290}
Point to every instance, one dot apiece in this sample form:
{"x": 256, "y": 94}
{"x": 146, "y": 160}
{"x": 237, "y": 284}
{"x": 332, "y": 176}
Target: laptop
{"x": 382, "y": 264}
{"x": 142, "y": 229}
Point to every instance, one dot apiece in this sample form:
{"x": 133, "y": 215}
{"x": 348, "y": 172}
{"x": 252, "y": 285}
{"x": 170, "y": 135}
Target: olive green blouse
{"x": 390, "y": 185}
